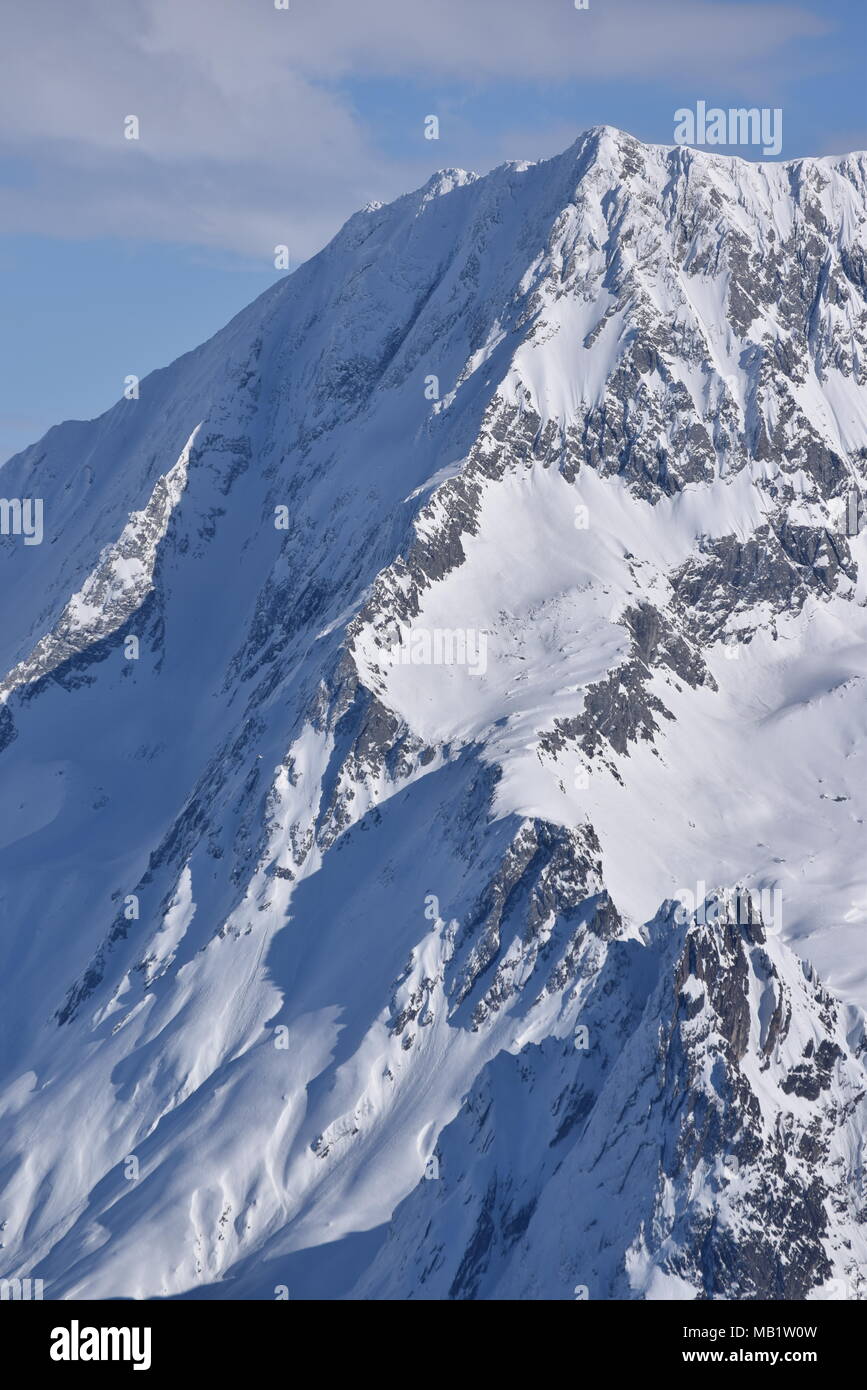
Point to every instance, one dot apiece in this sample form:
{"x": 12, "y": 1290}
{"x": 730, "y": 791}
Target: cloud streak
{"x": 249, "y": 135}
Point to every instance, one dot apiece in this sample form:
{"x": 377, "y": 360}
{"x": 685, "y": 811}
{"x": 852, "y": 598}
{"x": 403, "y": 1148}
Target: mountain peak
{"x": 432, "y": 724}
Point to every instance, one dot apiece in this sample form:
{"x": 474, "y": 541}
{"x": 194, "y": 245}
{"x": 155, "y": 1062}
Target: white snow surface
{"x": 293, "y": 890}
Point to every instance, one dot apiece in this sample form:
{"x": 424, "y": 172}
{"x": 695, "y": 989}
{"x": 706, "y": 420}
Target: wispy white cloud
{"x": 248, "y": 136}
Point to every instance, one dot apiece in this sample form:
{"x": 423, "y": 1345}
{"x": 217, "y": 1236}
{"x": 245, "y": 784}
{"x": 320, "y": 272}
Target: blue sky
{"x": 261, "y": 127}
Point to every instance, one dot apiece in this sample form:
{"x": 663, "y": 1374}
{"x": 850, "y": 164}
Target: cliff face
{"x": 386, "y": 672}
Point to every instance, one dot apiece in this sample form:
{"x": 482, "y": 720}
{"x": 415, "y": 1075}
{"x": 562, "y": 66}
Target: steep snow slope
{"x": 296, "y": 910}
{"x": 709, "y": 1052}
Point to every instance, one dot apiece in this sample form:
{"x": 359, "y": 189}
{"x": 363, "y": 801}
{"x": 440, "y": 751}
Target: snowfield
{"x": 364, "y": 977}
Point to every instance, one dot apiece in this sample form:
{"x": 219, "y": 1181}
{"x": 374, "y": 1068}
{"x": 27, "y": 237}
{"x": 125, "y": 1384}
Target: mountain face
{"x": 431, "y": 844}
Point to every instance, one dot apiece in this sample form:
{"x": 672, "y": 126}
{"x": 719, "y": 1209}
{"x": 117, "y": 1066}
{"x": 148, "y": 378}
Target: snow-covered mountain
{"x": 433, "y": 764}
